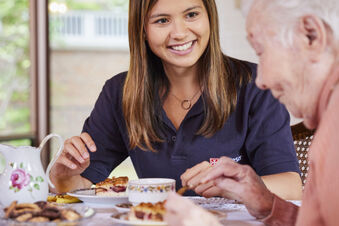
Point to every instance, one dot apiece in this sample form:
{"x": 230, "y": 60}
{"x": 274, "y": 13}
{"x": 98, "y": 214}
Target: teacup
{"x": 151, "y": 190}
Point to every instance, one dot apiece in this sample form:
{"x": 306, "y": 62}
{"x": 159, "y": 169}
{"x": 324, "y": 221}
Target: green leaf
{"x": 39, "y": 179}
{"x": 37, "y": 186}
{"x": 21, "y": 165}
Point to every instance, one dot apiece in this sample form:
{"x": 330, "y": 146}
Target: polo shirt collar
{"x": 197, "y": 109}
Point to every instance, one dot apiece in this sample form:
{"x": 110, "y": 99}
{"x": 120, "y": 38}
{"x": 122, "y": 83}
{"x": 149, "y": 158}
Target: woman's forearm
{"x": 287, "y": 185}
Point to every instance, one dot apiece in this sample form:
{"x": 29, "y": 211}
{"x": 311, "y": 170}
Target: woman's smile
{"x": 182, "y": 49}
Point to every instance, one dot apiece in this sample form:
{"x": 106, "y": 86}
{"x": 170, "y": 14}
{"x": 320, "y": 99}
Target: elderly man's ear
{"x": 315, "y": 34}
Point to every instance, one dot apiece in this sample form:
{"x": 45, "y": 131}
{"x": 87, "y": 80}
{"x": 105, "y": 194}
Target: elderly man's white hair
{"x": 288, "y": 12}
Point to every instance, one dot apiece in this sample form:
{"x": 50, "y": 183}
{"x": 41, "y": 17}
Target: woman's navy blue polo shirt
{"x": 257, "y": 133}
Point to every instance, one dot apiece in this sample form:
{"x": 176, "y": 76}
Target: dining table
{"x": 229, "y": 212}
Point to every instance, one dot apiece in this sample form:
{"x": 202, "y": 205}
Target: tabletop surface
{"x": 236, "y": 214}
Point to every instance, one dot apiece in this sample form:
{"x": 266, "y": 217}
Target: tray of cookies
{"x": 43, "y": 213}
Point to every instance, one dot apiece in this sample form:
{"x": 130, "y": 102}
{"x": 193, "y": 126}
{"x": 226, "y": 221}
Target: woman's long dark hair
{"x": 220, "y": 76}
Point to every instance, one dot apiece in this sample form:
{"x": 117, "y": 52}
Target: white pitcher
{"x": 22, "y": 177}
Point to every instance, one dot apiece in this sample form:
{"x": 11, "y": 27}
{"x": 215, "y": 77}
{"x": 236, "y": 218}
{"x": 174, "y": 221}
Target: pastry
{"x": 9, "y": 210}
{"x": 63, "y": 199}
{"x": 39, "y": 212}
{"x": 38, "y": 219}
{"x": 124, "y": 205}
{"x": 51, "y": 213}
{"x": 70, "y": 215}
{"x": 112, "y": 187}
{"x": 147, "y": 212}
{"x": 24, "y": 217}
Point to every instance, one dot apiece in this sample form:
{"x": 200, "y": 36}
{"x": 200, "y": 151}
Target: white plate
{"x": 90, "y": 199}
{"x": 122, "y": 209}
{"x": 121, "y": 219}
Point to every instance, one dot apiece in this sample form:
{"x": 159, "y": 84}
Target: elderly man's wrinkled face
{"x": 280, "y": 68}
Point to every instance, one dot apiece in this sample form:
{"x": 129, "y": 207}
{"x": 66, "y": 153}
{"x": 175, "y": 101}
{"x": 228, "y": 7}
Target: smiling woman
{"x": 181, "y": 103}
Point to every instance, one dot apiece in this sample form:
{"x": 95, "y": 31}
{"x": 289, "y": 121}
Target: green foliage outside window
{"x": 15, "y": 79}
{"x": 95, "y": 5}
{"x": 14, "y": 67}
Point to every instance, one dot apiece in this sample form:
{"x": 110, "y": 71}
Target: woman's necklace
{"x": 186, "y": 104}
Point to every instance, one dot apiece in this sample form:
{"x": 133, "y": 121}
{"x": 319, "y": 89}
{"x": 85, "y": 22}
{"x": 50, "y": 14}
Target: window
{"x": 89, "y": 44}
{"x": 15, "y": 81}
{"x": 24, "y": 93}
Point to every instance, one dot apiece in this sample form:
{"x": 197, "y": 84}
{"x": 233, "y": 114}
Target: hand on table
{"x": 192, "y": 177}
{"x": 182, "y": 211}
{"x": 240, "y": 182}
{"x": 74, "y": 158}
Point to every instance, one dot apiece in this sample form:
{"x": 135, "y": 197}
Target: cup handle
{"x": 55, "y": 157}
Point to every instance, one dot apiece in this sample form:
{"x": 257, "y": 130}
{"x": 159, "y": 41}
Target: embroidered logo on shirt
{"x": 237, "y": 159}
{"x": 213, "y": 161}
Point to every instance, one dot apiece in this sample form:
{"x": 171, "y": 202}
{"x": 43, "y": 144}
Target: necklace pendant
{"x": 186, "y": 104}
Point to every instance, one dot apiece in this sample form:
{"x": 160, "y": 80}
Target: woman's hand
{"x": 192, "y": 177}
{"x": 74, "y": 158}
{"x": 240, "y": 182}
{"x": 182, "y": 211}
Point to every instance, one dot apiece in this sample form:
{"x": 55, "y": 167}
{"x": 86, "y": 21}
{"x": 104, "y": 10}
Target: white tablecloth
{"x": 236, "y": 214}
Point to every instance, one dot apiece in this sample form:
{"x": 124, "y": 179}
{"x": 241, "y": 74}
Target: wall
{"x": 233, "y": 35}
{"x": 77, "y": 79}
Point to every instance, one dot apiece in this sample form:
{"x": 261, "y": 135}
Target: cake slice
{"x": 112, "y": 187}
{"x": 147, "y": 212}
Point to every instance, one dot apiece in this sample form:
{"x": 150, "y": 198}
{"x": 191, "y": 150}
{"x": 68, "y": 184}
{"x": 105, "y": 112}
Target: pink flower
{"x": 20, "y": 178}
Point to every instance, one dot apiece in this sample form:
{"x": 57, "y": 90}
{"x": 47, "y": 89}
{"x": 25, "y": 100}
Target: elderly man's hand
{"x": 240, "y": 182}
{"x": 183, "y": 212}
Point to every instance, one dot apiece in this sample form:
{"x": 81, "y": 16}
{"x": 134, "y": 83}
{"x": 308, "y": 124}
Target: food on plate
{"x": 112, "y": 187}
{"x": 70, "y": 215}
{"x": 39, "y": 212}
{"x": 62, "y": 199}
{"x": 124, "y": 205}
{"x": 147, "y": 212}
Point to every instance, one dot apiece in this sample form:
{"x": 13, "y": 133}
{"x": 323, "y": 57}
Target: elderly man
{"x": 297, "y": 42}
